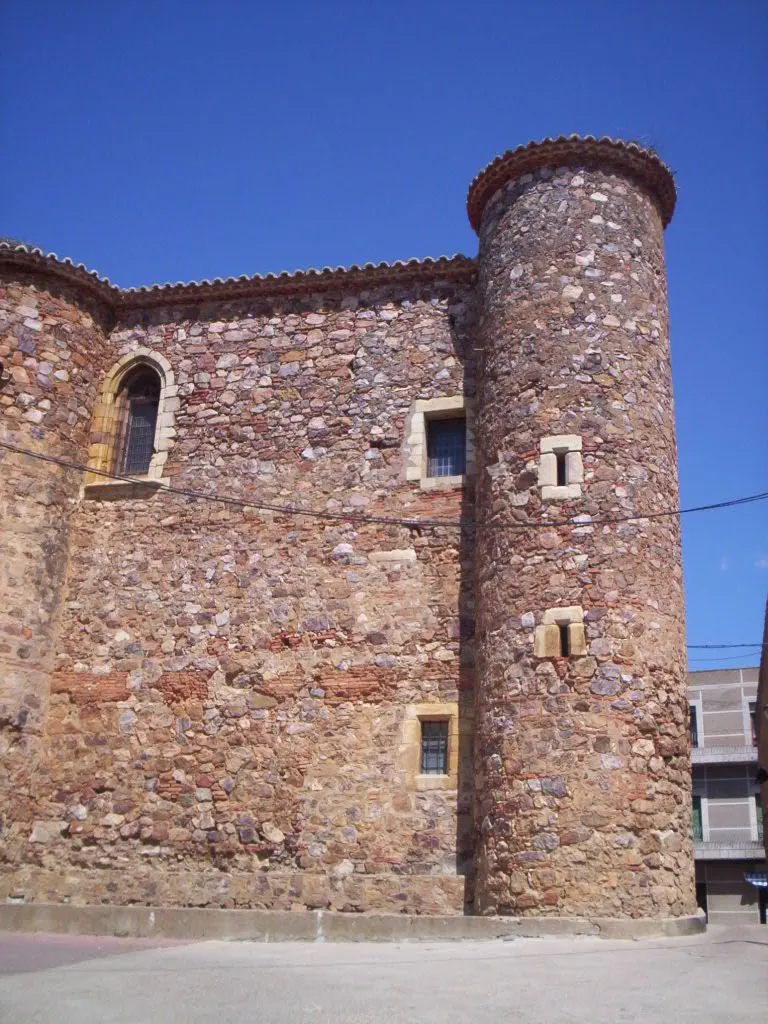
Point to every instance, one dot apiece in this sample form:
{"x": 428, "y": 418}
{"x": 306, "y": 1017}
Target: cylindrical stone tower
{"x": 582, "y": 768}
{"x": 53, "y": 351}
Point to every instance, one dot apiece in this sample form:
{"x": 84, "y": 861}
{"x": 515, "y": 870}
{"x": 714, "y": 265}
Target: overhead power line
{"x": 361, "y": 517}
{"x": 395, "y": 521}
{"x": 720, "y": 647}
{"x": 708, "y": 661}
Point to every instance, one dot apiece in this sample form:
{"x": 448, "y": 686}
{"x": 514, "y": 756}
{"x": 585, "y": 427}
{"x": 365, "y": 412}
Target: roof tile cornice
{"x": 355, "y": 278}
{"x": 641, "y": 164}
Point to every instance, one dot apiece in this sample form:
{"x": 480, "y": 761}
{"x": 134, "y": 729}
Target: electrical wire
{"x": 720, "y": 647}
{"x": 361, "y": 517}
{"x": 394, "y": 521}
{"x": 707, "y": 661}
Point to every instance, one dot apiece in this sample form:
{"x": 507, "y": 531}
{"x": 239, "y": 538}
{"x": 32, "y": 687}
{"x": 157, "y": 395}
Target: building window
{"x": 698, "y": 831}
{"x": 759, "y": 814}
{"x": 562, "y": 476}
{"x": 446, "y": 446}
{"x": 133, "y": 428}
{"x": 439, "y": 449}
{"x": 565, "y": 646}
{"x": 434, "y": 747}
{"x": 138, "y": 399}
{"x": 753, "y": 721}
{"x": 561, "y": 633}
{"x": 561, "y": 467}
{"x": 694, "y": 725}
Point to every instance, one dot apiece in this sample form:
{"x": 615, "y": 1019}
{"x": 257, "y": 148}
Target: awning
{"x": 758, "y": 879}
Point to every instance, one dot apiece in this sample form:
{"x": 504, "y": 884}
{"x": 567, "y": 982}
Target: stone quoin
{"x": 462, "y": 688}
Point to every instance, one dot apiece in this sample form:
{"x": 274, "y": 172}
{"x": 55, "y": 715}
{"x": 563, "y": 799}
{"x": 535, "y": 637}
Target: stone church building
{"x": 352, "y": 588}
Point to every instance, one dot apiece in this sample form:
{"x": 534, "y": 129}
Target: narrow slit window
{"x": 753, "y": 721}
{"x": 446, "y": 447}
{"x": 562, "y": 476}
{"x": 434, "y": 748}
{"x": 565, "y": 644}
{"x": 694, "y": 724}
{"x": 139, "y": 399}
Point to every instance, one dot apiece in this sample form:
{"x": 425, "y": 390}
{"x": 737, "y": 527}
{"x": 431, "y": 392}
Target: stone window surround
{"x": 104, "y": 429}
{"x": 546, "y": 638}
{"x": 409, "y": 755}
{"x": 415, "y": 449}
{"x": 550, "y": 447}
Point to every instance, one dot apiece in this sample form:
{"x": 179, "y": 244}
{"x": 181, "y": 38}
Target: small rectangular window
{"x": 562, "y": 476}
{"x": 446, "y": 447}
{"x": 694, "y": 724}
{"x": 753, "y": 721}
{"x": 698, "y": 831}
{"x": 434, "y": 748}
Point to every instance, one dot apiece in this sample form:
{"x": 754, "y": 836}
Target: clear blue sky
{"x": 178, "y": 140}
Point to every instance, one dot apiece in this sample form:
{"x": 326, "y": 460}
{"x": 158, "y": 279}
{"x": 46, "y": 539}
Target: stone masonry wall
{"x": 52, "y": 350}
{"x": 582, "y": 773}
{"x": 216, "y": 702}
{"x": 227, "y": 712}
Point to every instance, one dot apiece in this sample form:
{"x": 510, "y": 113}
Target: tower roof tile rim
{"x": 642, "y": 163}
{"x": 307, "y": 280}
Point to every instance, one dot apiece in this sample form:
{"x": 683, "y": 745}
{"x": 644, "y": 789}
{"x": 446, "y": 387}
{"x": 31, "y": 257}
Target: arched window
{"x": 133, "y": 429}
{"x": 137, "y": 402}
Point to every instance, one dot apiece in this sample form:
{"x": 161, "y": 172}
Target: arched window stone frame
{"x": 105, "y": 431}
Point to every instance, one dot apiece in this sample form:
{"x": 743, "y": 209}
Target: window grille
{"x": 446, "y": 447}
{"x": 434, "y": 748}
{"x": 694, "y": 725}
{"x": 142, "y": 397}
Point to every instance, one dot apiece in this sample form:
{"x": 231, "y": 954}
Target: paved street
{"x": 722, "y": 976}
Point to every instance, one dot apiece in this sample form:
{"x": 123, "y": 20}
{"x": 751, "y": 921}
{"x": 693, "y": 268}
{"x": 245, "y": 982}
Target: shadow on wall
{"x": 465, "y": 810}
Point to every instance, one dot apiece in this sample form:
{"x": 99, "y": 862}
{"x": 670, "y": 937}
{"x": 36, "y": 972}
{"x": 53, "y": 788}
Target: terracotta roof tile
{"x": 639, "y": 162}
{"x": 355, "y": 277}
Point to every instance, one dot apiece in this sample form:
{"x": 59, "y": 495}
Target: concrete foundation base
{"x": 318, "y": 925}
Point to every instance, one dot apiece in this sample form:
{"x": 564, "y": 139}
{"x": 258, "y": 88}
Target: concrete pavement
{"x": 706, "y": 979}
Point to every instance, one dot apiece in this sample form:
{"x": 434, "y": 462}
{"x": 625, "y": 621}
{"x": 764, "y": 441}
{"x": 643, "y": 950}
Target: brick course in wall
{"x": 225, "y": 695}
